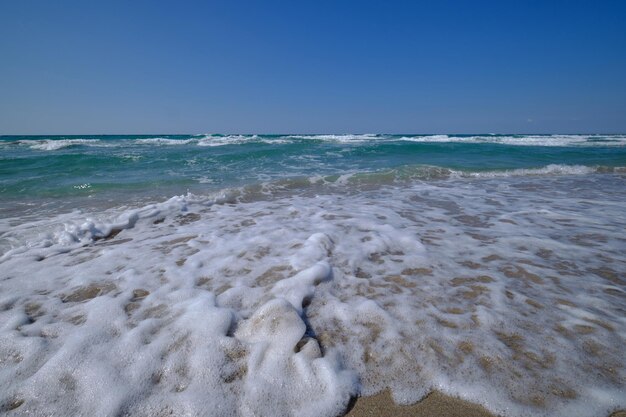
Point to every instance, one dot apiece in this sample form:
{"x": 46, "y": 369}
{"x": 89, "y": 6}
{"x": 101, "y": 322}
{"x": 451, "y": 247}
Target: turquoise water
{"x": 55, "y": 168}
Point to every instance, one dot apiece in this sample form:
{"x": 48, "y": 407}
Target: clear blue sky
{"x": 312, "y": 66}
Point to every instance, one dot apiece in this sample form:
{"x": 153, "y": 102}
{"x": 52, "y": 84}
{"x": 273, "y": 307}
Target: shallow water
{"x": 101, "y": 171}
{"x": 289, "y": 296}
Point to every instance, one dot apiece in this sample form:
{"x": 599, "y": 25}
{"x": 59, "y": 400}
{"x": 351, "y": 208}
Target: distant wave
{"x": 525, "y": 140}
{"x": 347, "y": 138}
{"x": 55, "y": 144}
{"x": 164, "y": 141}
{"x": 212, "y": 140}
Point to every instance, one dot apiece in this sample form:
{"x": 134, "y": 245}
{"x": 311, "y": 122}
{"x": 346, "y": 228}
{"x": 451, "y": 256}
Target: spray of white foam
{"x": 56, "y": 144}
{"x": 526, "y": 140}
{"x": 223, "y": 140}
{"x": 210, "y": 140}
{"x": 164, "y": 141}
{"x": 552, "y": 169}
{"x": 346, "y": 138}
{"x": 505, "y": 291}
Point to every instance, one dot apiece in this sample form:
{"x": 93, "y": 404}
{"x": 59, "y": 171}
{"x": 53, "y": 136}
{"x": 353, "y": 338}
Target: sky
{"x": 109, "y": 67}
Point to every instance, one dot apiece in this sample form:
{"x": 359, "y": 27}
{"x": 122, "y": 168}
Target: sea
{"x": 285, "y": 275}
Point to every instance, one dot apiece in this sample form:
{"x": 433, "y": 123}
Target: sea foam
{"x": 525, "y": 140}
{"x": 504, "y": 291}
{"x": 55, "y": 144}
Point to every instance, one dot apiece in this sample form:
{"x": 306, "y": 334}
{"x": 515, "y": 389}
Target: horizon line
{"x": 312, "y": 134}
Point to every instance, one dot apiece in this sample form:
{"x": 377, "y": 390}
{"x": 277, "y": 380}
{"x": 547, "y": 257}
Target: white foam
{"x": 165, "y": 141}
{"x": 526, "y": 140}
{"x": 498, "y": 290}
{"x": 56, "y": 144}
{"x": 282, "y": 382}
{"x": 552, "y": 169}
{"x": 223, "y": 140}
{"x": 346, "y": 138}
{"x": 210, "y": 140}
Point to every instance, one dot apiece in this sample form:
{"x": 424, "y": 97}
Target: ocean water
{"x": 284, "y": 274}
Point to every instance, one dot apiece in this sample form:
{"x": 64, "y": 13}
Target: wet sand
{"x": 434, "y": 404}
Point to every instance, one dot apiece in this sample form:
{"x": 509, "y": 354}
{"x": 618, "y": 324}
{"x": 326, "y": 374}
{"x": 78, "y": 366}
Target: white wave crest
{"x": 347, "y": 138}
{"x": 164, "y": 141}
{"x": 552, "y": 169}
{"x": 55, "y": 144}
{"x": 210, "y": 140}
{"x": 525, "y": 140}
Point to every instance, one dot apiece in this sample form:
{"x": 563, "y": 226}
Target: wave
{"x": 552, "y": 169}
{"x": 74, "y": 229}
{"x": 525, "y": 140}
{"x": 346, "y": 138}
{"x": 88, "y": 229}
{"x": 164, "y": 141}
{"x": 409, "y": 173}
{"x": 218, "y": 140}
{"x": 213, "y": 140}
{"x": 55, "y": 144}
{"x": 511, "y": 140}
